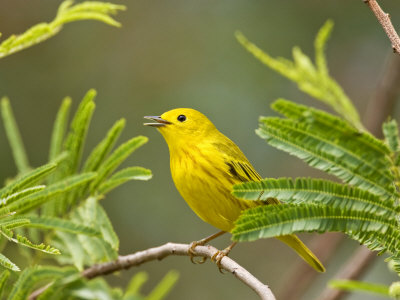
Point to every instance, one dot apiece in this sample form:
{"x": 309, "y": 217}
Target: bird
{"x": 205, "y": 164}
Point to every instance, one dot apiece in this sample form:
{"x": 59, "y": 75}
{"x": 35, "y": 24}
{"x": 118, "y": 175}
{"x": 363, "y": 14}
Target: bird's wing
{"x": 239, "y": 166}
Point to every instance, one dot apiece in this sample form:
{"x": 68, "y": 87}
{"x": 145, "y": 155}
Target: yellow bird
{"x": 205, "y": 165}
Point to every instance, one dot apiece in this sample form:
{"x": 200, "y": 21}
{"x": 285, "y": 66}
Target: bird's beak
{"x": 160, "y": 122}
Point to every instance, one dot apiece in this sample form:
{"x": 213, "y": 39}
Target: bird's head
{"x": 182, "y": 123}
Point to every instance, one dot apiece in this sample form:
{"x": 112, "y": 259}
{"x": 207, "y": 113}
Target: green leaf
{"x": 135, "y": 284}
{"x": 106, "y": 227}
{"x": 59, "y": 129}
{"x": 131, "y": 173}
{"x": 354, "y": 286}
{"x": 75, "y": 249}
{"x": 6, "y": 263}
{"x": 277, "y": 220}
{"x": 391, "y": 132}
{"x": 90, "y": 10}
{"x": 315, "y": 191}
{"x": 79, "y": 126}
{"x": 14, "y": 137}
{"x": 321, "y": 152}
{"x": 337, "y": 129}
{"x": 14, "y": 222}
{"x": 100, "y": 152}
{"x": 36, "y": 199}
{"x": 116, "y": 158}
{"x": 59, "y": 288}
{"x": 99, "y": 250}
{"x": 313, "y": 80}
{"x": 19, "y": 195}
{"x": 30, "y": 277}
{"x": 61, "y": 225}
{"x": 3, "y": 279}
{"x": 394, "y": 290}
{"x": 27, "y": 243}
{"x": 164, "y": 287}
{"x": 27, "y": 180}
{"x": 319, "y": 45}
{"x": 67, "y": 12}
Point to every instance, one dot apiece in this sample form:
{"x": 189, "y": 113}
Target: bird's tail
{"x": 302, "y": 250}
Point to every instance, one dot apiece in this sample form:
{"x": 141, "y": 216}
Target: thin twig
{"x": 158, "y": 253}
{"x": 301, "y": 275}
{"x": 384, "y": 99}
{"x": 379, "y": 108}
{"x": 352, "y": 269}
{"x": 387, "y": 25}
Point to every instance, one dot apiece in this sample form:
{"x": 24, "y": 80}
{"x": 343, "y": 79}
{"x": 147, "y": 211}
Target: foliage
{"x": 67, "y": 12}
{"x": 365, "y": 205}
{"x": 311, "y": 79}
{"x": 353, "y": 285}
{"x": 61, "y": 200}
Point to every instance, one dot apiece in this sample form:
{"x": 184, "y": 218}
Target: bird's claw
{"x": 217, "y": 258}
{"x": 192, "y": 255}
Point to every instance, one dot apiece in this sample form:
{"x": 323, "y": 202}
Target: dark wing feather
{"x": 239, "y": 166}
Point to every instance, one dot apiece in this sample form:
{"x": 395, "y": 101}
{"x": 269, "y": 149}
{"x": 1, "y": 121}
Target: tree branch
{"x": 387, "y": 25}
{"x": 352, "y": 269}
{"x": 379, "y": 108}
{"x": 158, "y": 253}
{"x": 386, "y": 94}
{"x": 301, "y": 276}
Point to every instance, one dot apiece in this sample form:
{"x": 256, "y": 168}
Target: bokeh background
{"x": 182, "y": 53}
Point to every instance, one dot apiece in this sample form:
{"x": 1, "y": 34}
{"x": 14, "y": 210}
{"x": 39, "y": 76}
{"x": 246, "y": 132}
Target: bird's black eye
{"x": 181, "y": 118}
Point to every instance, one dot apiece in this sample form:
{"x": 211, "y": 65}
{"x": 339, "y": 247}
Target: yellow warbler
{"x": 205, "y": 164}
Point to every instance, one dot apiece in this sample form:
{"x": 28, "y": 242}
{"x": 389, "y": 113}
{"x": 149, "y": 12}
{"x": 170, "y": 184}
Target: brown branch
{"x": 384, "y": 99}
{"x": 387, "y": 25}
{"x": 379, "y": 108}
{"x": 352, "y": 269}
{"x": 158, "y": 253}
{"x": 302, "y": 276}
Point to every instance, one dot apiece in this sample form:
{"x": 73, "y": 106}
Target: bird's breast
{"x": 203, "y": 180}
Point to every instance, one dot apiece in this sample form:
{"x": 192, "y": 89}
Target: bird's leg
{"x": 219, "y": 255}
{"x": 201, "y": 242}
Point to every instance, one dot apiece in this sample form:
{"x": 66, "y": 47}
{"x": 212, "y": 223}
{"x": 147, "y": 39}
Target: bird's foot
{"x": 202, "y": 242}
{"x": 220, "y": 254}
{"x": 192, "y": 255}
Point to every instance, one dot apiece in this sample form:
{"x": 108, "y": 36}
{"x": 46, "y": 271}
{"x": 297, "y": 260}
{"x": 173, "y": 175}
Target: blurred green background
{"x": 179, "y": 53}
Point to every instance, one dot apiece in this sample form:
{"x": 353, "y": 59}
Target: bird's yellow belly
{"x": 208, "y": 193}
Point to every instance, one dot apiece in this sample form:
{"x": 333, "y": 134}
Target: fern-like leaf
{"x": 100, "y": 152}
{"x": 59, "y": 128}
{"x": 79, "y": 126}
{"x": 359, "y": 286}
{"x": 276, "y": 220}
{"x": 67, "y": 12}
{"x": 3, "y": 279}
{"x": 336, "y": 129}
{"x": 19, "y": 195}
{"x": 24, "y": 241}
{"x": 14, "y": 137}
{"x": 313, "y": 80}
{"x": 315, "y": 191}
{"x": 30, "y": 277}
{"x": 116, "y": 158}
{"x": 6, "y": 263}
{"x": 391, "y": 132}
{"x": 322, "y": 153}
{"x": 131, "y": 173}
{"x": 61, "y": 225}
{"x": 27, "y": 180}
{"x": 36, "y": 199}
